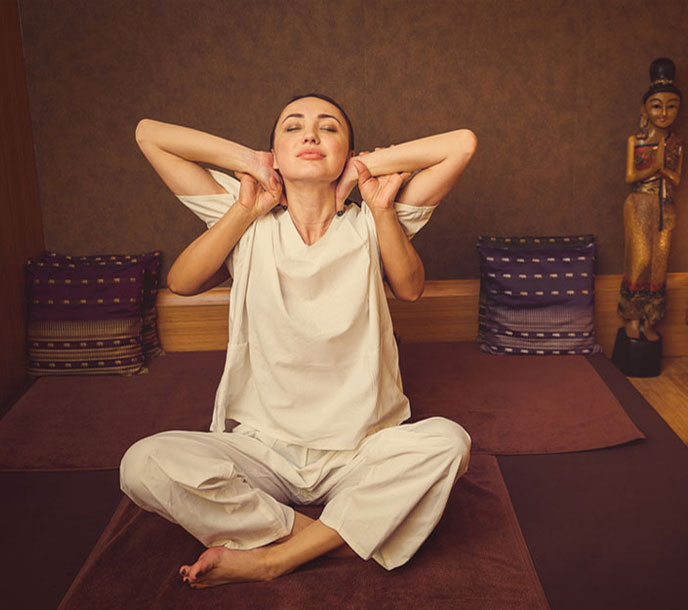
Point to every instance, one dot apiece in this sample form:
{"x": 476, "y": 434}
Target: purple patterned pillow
{"x": 84, "y": 319}
{"x": 151, "y": 261}
{"x": 537, "y": 299}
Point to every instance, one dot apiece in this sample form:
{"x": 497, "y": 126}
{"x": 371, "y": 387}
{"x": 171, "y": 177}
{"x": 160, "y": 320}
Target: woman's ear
{"x": 274, "y": 160}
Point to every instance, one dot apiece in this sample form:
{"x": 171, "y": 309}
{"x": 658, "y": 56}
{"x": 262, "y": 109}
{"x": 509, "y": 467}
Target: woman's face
{"x": 662, "y": 108}
{"x": 311, "y": 141}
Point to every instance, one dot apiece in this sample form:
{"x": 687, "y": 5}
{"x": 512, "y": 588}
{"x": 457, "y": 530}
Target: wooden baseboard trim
{"x": 447, "y": 311}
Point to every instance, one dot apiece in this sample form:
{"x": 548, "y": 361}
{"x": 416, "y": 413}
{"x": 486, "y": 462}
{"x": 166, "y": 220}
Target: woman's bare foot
{"x": 220, "y": 565}
{"x": 308, "y": 539}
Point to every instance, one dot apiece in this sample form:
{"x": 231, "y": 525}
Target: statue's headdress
{"x": 662, "y": 72}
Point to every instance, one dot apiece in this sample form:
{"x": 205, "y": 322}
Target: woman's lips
{"x": 310, "y": 154}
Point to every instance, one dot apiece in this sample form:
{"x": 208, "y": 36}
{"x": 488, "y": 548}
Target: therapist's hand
{"x": 378, "y": 193}
{"x": 254, "y": 197}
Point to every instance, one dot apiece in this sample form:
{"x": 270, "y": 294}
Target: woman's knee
{"x": 135, "y": 467}
{"x": 453, "y": 433}
{"x": 448, "y": 437}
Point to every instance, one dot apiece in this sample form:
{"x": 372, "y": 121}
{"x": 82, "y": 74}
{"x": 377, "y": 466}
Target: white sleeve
{"x": 210, "y": 208}
{"x": 413, "y": 217}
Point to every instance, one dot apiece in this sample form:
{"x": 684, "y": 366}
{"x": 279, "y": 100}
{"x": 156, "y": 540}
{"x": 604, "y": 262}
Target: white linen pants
{"x": 233, "y": 488}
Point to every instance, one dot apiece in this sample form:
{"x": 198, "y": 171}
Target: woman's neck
{"x": 311, "y": 207}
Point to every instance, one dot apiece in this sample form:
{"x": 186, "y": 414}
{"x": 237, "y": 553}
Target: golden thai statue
{"x": 653, "y": 169}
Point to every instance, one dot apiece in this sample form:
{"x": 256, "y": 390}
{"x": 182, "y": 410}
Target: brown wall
{"x": 551, "y": 88}
{"x": 21, "y": 233}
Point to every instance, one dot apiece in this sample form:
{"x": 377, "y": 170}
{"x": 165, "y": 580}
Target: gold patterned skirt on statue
{"x": 646, "y": 256}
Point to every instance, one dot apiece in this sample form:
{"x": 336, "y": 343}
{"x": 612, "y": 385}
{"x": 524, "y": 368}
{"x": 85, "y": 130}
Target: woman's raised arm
{"x": 436, "y": 162}
{"x": 175, "y": 153}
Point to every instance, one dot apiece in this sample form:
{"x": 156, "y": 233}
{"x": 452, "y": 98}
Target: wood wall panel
{"x": 447, "y": 311}
{"x": 21, "y": 232}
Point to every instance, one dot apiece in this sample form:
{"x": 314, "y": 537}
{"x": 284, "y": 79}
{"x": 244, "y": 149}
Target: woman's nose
{"x": 309, "y": 135}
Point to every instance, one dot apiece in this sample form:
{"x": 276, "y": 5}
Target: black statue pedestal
{"x": 637, "y": 357}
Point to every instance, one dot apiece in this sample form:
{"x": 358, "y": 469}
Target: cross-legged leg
{"x": 216, "y": 486}
{"x": 393, "y": 494}
{"x": 383, "y": 500}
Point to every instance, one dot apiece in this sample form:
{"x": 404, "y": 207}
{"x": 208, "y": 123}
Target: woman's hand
{"x": 262, "y": 170}
{"x": 255, "y": 197}
{"x": 378, "y": 193}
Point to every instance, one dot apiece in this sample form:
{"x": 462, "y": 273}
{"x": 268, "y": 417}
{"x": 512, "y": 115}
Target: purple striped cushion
{"x": 85, "y": 347}
{"x": 537, "y": 298}
{"x": 84, "y": 319}
{"x": 65, "y": 291}
{"x": 151, "y": 261}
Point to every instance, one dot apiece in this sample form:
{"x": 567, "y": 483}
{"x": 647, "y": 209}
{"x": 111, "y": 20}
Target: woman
{"x": 653, "y": 168}
{"x": 312, "y": 371}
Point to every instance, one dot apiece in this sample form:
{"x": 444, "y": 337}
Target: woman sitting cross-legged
{"x": 310, "y": 407}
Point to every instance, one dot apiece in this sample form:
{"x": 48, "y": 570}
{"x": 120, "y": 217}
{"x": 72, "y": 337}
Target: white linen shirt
{"x": 311, "y": 358}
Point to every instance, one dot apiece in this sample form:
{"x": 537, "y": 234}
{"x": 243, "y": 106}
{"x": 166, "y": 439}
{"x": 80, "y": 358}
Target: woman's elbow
{"x": 411, "y": 291}
{"x": 143, "y": 129}
{"x": 410, "y": 296}
{"x": 173, "y": 287}
{"x": 176, "y": 285}
{"x": 414, "y": 296}
{"x": 466, "y": 142}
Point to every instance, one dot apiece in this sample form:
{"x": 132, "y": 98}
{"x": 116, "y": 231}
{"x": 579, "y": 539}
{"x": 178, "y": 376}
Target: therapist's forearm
{"x": 402, "y": 264}
{"x": 202, "y": 258}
